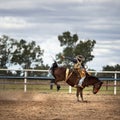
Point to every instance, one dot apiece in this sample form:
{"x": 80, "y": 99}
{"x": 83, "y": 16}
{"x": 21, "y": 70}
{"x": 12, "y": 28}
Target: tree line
{"x": 30, "y": 55}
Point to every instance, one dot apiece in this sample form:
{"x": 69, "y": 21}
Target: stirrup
{"x": 75, "y": 86}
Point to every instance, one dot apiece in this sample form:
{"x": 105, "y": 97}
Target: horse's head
{"x": 97, "y": 86}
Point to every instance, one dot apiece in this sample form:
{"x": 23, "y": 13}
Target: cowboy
{"x": 79, "y": 67}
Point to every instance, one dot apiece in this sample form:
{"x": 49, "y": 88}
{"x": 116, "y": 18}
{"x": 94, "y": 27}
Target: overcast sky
{"x": 43, "y": 20}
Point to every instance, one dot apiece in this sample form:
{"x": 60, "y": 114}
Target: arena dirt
{"x": 58, "y": 106}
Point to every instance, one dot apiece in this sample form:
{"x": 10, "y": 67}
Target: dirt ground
{"x": 58, "y": 106}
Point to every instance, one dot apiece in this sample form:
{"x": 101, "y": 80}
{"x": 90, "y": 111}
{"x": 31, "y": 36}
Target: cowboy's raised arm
{"x": 71, "y": 59}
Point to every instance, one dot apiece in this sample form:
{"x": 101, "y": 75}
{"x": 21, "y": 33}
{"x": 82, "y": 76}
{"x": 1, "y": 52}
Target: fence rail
{"x": 26, "y": 77}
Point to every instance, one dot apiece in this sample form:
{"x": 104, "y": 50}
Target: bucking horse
{"x": 71, "y": 78}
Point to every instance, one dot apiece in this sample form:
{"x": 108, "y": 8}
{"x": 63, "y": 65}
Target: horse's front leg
{"x": 81, "y": 93}
{"x": 58, "y": 86}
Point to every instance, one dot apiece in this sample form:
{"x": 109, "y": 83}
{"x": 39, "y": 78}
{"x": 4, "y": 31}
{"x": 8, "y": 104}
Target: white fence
{"x": 25, "y": 77}
{"x": 114, "y": 78}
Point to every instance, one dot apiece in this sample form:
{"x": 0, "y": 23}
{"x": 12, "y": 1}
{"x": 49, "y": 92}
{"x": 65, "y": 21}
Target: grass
{"x": 44, "y": 86}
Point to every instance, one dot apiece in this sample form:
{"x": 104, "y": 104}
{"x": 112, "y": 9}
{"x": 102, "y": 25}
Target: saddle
{"x": 69, "y": 73}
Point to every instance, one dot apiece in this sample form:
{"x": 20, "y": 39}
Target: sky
{"x": 43, "y": 20}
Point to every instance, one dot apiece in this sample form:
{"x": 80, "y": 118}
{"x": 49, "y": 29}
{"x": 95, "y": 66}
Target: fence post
{"x": 115, "y": 83}
{"x": 70, "y": 89}
{"x": 96, "y": 73}
{"x": 25, "y": 81}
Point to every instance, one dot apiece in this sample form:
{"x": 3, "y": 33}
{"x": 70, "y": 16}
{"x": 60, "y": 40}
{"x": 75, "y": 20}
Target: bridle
{"x": 99, "y": 83}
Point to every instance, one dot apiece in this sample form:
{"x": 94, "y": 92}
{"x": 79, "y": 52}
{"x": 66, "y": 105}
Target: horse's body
{"x": 72, "y": 79}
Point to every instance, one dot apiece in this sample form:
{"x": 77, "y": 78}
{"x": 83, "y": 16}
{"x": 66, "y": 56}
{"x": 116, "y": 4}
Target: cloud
{"x": 51, "y": 47}
{"x": 107, "y": 49}
{"x": 9, "y": 22}
{"x": 44, "y": 20}
{"x": 106, "y": 53}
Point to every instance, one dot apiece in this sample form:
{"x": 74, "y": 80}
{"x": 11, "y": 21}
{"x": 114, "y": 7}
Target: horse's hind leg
{"x": 77, "y": 94}
{"x": 81, "y": 93}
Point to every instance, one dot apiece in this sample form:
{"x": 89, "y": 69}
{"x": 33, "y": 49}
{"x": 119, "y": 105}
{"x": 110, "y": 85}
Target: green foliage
{"x": 85, "y": 48}
{"x": 111, "y": 68}
{"x": 19, "y": 52}
{"x": 27, "y": 53}
{"x": 5, "y": 50}
{"x": 67, "y": 40}
{"x": 72, "y": 46}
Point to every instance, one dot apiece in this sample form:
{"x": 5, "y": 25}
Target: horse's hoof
{"x": 77, "y": 100}
{"x": 58, "y": 88}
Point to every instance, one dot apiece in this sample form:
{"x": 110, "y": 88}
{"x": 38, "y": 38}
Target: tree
{"x": 72, "y": 46}
{"x": 27, "y": 54}
{"x": 6, "y": 49}
{"x": 111, "y": 68}
{"x": 15, "y": 52}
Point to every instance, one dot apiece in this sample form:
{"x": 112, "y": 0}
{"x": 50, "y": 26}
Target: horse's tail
{"x": 53, "y": 67}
